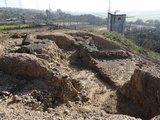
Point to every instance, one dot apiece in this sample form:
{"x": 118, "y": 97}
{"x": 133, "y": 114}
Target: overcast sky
{"x": 85, "y": 5}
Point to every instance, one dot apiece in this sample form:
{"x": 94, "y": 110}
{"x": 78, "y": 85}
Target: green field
{"x": 5, "y": 27}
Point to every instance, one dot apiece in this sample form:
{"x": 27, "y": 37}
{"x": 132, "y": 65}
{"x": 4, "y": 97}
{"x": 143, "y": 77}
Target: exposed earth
{"x": 74, "y": 75}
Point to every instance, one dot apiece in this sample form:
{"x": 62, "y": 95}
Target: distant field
{"x": 144, "y": 18}
{"x": 4, "y": 27}
{"x": 144, "y": 15}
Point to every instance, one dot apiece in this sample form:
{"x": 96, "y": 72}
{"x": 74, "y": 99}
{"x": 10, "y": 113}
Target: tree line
{"x": 150, "y": 22}
{"x": 148, "y": 37}
{"x": 48, "y": 16}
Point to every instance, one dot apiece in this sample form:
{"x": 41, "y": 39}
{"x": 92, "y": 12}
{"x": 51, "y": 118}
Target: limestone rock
{"x": 156, "y": 118}
{"x": 16, "y": 98}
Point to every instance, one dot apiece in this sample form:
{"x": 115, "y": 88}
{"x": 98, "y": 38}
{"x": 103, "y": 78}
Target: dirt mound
{"x": 144, "y": 89}
{"x": 100, "y": 42}
{"x": 44, "y": 49}
{"x": 28, "y": 65}
{"x": 62, "y": 40}
{"x": 90, "y": 114}
{"x": 24, "y": 64}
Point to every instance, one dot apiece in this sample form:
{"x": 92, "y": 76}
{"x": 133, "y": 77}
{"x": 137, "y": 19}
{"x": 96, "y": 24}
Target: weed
{"x": 41, "y": 108}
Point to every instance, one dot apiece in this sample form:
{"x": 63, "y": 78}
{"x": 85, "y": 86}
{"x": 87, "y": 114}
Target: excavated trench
{"x": 44, "y": 60}
{"x": 52, "y": 58}
{"x": 90, "y": 50}
{"x": 143, "y": 88}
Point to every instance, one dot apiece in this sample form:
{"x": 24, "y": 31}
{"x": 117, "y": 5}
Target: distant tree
{"x": 22, "y": 18}
{"x": 49, "y": 16}
{"x": 156, "y": 21}
{"x": 139, "y": 22}
{"x": 157, "y": 24}
{"x": 37, "y": 16}
{"x": 150, "y": 22}
{"x": 147, "y": 38}
{"x": 47, "y": 12}
{"x": 59, "y": 11}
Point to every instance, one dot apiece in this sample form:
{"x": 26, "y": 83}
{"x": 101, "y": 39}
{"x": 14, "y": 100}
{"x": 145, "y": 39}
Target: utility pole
{"x": 109, "y": 10}
{"x": 109, "y": 7}
{"x": 20, "y": 4}
{"x": 6, "y": 4}
{"x": 37, "y": 5}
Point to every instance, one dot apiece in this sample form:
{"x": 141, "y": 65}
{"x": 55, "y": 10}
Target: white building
{"x": 116, "y": 22}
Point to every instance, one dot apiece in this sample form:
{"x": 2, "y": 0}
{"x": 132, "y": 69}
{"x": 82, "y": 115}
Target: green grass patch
{"x": 41, "y": 108}
{"x": 24, "y": 26}
{"x": 5, "y": 27}
{"x": 128, "y": 43}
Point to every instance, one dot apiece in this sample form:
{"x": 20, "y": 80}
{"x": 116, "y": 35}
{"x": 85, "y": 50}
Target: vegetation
{"x": 128, "y": 43}
{"x": 15, "y": 15}
{"x": 4, "y": 27}
{"x": 147, "y": 38}
{"x": 145, "y": 24}
{"x": 145, "y": 34}
{"x": 41, "y": 108}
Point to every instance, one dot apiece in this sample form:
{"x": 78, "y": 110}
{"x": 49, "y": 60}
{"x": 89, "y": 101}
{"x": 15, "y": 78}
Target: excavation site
{"x": 75, "y": 75}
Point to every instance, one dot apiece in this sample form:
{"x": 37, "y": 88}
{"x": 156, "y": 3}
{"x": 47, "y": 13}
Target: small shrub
{"x": 41, "y": 108}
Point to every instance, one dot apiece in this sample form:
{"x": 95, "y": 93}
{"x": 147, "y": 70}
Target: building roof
{"x": 117, "y": 13}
